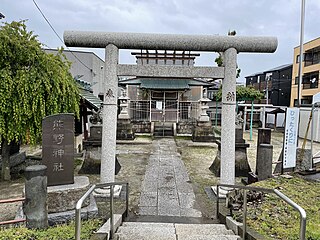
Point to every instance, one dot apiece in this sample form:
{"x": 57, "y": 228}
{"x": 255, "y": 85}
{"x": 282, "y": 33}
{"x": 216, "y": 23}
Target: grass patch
{"x": 65, "y": 231}
{"x": 276, "y": 219}
{"x": 197, "y": 161}
{"x": 182, "y": 137}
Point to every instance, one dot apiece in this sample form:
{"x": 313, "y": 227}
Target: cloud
{"x": 279, "y": 18}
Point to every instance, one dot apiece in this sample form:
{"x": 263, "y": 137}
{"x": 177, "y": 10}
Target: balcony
{"x": 312, "y": 57}
{"x": 310, "y": 80}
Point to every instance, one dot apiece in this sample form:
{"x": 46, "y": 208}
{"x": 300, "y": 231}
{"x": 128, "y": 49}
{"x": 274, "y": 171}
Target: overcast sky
{"x": 279, "y": 18}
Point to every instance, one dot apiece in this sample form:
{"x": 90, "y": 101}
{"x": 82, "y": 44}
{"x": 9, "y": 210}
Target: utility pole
{"x": 301, "y": 50}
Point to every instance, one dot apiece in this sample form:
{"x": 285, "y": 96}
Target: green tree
{"x": 33, "y": 85}
{"x": 243, "y": 93}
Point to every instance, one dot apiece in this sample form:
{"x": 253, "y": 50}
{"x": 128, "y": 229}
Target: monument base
{"x": 203, "y": 132}
{"x": 125, "y": 130}
{"x": 103, "y": 193}
{"x": 242, "y": 167}
{"x": 65, "y": 197}
{"x": 223, "y": 191}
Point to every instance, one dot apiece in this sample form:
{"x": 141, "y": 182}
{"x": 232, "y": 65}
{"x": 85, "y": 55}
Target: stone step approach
{"x": 174, "y": 231}
{"x": 166, "y": 189}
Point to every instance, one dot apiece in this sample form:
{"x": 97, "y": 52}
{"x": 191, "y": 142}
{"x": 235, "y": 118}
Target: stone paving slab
{"x": 148, "y": 211}
{"x": 145, "y": 229}
{"x": 207, "y": 237}
{"x": 202, "y": 229}
{"x": 147, "y": 237}
{"x": 153, "y": 224}
{"x": 167, "y": 176}
{"x": 190, "y": 212}
{"x": 148, "y": 199}
{"x": 186, "y": 200}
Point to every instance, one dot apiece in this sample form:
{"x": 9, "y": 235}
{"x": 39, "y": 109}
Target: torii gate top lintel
{"x": 112, "y": 42}
{"x": 152, "y": 41}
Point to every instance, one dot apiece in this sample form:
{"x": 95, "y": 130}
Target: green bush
{"x": 60, "y": 232}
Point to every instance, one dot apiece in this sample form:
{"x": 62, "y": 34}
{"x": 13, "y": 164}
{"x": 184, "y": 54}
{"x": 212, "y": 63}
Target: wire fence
{"x": 168, "y": 110}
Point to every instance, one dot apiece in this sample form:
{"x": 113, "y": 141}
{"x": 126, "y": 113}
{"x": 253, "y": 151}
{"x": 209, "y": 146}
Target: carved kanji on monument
{"x": 58, "y": 148}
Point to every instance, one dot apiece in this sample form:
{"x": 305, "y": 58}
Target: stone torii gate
{"x": 112, "y": 42}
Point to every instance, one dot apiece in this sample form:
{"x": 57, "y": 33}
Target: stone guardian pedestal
{"x": 203, "y": 131}
{"x": 124, "y": 125}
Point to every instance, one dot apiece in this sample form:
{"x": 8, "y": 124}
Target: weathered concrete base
{"x": 242, "y": 167}
{"x": 203, "y": 132}
{"x": 64, "y": 197}
{"x": 88, "y": 212}
{"x": 222, "y": 191}
{"x": 125, "y": 130}
{"x": 303, "y": 160}
{"x": 103, "y": 193}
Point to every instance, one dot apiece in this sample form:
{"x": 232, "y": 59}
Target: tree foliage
{"x": 33, "y": 84}
{"x": 243, "y": 93}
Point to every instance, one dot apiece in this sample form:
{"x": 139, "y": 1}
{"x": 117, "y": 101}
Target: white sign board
{"x": 158, "y": 105}
{"x": 290, "y": 138}
{"x": 316, "y": 98}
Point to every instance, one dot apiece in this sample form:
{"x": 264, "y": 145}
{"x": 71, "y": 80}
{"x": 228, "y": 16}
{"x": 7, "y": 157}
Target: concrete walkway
{"x": 166, "y": 189}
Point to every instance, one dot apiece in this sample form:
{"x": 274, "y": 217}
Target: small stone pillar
{"x": 264, "y": 161}
{"x": 35, "y": 205}
{"x": 264, "y": 137}
{"x": 203, "y": 131}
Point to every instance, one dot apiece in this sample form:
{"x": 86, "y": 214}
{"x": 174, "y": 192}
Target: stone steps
{"x": 174, "y": 231}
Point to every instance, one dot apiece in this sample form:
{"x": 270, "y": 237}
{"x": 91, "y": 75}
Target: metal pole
{"x": 127, "y": 200}
{"x": 78, "y": 212}
{"x": 217, "y": 207}
{"x": 244, "y": 214}
{"x": 263, "y": 117}
{"x": 111, "y": 212}
{"x": 251, "y": 119}
{"x": 216, "y": 117}
{"x": 301, "y": 50}
{"x": 267, "y": 90}
{"x": 244, "y": 118}
{"x": 311, "y": 140}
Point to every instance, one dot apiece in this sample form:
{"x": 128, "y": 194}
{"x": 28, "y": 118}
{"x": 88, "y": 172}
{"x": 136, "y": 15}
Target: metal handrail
{"x": 302, "y": 212}
{"x": 12, "y": 200}
{"x": 87, "y": 194}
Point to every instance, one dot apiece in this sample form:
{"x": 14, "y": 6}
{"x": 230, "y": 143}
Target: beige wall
{"x": 295, "y": 71}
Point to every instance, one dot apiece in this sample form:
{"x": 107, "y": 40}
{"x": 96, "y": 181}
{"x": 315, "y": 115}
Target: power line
{"x": 46, "y": 19}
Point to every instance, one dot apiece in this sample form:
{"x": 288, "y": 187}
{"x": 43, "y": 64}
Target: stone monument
{"x": 58, "y": 148}
{"x": 64, "y": 189}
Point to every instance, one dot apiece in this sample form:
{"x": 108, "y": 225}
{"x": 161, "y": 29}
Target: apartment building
{"x": 310, "y": 72}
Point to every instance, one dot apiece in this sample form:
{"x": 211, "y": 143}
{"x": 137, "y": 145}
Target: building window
{"x": 298, "y": 59}
{"x": 312, "y": 57}
{"x": 310, "y": 80}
